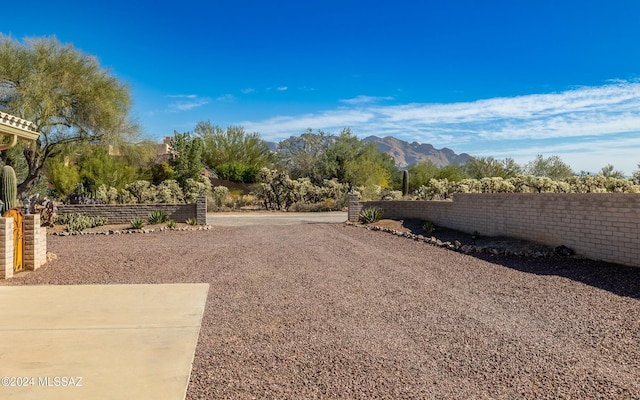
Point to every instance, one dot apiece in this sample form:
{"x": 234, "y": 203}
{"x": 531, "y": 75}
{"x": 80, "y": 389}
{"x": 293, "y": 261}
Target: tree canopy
{"x": 65, "y": 93}
{"x": 301, "y": 155}
{"x": 481, "y": 167}
{"x": 188, "y": 161}
{"x": 552, "y": 167}
{"x": 347, "y": 158}
{"x": 234, "y": 154}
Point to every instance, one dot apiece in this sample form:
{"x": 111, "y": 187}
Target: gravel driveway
{"x": 332, "y": 311}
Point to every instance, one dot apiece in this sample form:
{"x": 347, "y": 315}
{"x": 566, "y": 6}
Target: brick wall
{"x": 6, "y": 248}
{"x": 600, "y": 226}
{"x": 125, "y": 213}
{"x": 34, "y": 248}
{"x": 35, "y": 243}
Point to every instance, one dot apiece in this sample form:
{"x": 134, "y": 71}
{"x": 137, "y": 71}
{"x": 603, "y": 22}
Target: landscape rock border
{"x": 129, "y": 231}
{"x": 536, "y": 251}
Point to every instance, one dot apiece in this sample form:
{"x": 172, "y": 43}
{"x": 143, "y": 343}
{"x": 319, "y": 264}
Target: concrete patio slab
{"x": 98, "y": 341}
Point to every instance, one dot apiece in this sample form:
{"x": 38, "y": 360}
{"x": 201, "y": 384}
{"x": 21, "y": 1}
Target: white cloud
{"x": 277, "y": 128}
{"x": 362, "y": 99}
{"x": 590, "y": 118}
{"x": 227, "y": 98}
{"x": 190, "y": 102}
{"x": 282, "y": 88}
{"x": 182, "y": 96}
{"x": 248, "y": 90}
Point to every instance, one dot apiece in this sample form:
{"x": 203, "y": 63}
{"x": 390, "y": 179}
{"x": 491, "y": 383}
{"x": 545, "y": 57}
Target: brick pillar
{"x": 41, "y": 254}
{"x": 35, "y": 244}
{"x": 6, "y": 248}
{"x": 353, "y": 213}
{"x": 201, "y": 210}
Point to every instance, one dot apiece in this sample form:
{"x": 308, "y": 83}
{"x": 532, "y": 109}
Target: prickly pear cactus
{"x": 8, "y": 188}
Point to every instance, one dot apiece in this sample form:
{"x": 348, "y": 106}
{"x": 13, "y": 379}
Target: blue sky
{"x": 490, "y": 78}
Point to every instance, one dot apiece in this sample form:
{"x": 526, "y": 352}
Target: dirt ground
{"x": 334, "y": 311}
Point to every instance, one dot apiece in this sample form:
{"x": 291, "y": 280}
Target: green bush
{"x": 370, "y": 215}
{"x": 158, "y": 217}
{"x": 171, "y": 224}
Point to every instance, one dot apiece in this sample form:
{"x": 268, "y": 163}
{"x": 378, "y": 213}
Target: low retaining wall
{"x": 125, "y": 213}
{"x": 599, "y": 226}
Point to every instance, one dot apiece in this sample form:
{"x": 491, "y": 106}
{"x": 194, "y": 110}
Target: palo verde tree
{"x": 609, "y": 171}
{"x": 551, "y": 167}
{"x": 355, "y": 162}
{"x": 234, "y": 154}
{"x": 65, "y": 93}
{"x": 301, "y": 156}
{"x": 482, "y": 167}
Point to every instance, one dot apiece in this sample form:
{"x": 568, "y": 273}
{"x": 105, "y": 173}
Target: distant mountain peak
{"x": 405, "y": 153}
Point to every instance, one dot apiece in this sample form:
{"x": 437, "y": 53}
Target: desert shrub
{"x": 137, "y": 223}
{"x": 220, "y": 195}
{"x": 238, "y": 200}
{"x": 125, "y": 197}
{"x": 369, "y": 192}
{"x": 79, "y": 222}
{"x": 141, "y": 191}
{"x": 195, "y": 188}
{"x": 325, "y": 205}
{"x": 273, "y": 189}
{"x": 333, "y": 189}
{"x": 391, "y": 195}
{"x": 158, "y": 217}
{"x": 370, "y": 215}
{"x": 618, "y": 185}
{"x": 171, "y": 224}
{"x": 77, "y": 198}
{"x": 107, "y": 194}
{"x": 440, "y": 188}
{"x": 169, "y": 191}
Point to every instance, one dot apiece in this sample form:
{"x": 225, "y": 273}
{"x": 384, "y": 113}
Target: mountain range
{"x": 405, "y": 153}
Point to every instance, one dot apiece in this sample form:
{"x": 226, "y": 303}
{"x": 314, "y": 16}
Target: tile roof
{"x": 10, "y": 120}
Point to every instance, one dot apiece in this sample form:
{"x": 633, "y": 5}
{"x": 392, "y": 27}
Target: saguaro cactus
{"x": 8, "y": 187}
{"x": 405, "y": 182}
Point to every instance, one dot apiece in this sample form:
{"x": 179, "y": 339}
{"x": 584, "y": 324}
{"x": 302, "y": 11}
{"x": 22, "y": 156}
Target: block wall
{"x": 124, "y": 213}
{"x": 35, "y": 243}
{"x": 599, "y": 226}
{"x": 6, "y": 248}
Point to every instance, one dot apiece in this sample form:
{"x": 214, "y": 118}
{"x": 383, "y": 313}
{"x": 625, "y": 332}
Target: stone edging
{"x": 560, "y": 251}
{"x": 128, "y": 231}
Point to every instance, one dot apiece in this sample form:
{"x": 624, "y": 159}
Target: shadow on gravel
{"x": 615, "y": 278}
